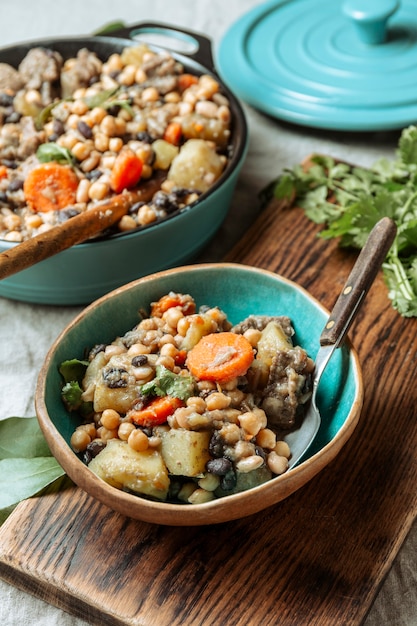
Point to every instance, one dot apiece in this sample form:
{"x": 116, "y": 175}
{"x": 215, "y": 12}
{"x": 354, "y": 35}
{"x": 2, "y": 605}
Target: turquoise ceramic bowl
{"x": 87, "y": 271}
{"x": 239, "y": 290}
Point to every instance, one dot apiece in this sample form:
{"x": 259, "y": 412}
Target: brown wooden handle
{"x": 75, "y": 230}
{"x": 360, "y": 279}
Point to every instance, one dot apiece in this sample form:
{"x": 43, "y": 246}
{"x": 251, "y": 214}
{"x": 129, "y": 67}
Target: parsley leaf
{"x": 350, "y": 200}
{"x": 54, "y": 152}
{"x": 166, "y": 383}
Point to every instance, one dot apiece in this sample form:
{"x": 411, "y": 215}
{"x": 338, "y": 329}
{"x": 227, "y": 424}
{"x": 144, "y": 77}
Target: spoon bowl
{"x": 344, "y": 312}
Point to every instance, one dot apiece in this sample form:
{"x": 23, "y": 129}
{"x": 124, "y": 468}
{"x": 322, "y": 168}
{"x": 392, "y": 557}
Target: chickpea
{"x": 209, "y": 482}
{"x": 101, "y": 142}
{"x": 105, "y": 434}
{"x": 90, "y": 429}
{"x": 11, "y": 221}
{"x": 91, "y": 162}
{"x": 199, "y": 496}
{"x": 217, "y": 401}
{"x": 112, "y": 350}
{"x": 166, "y": 361}
{"x": 81, "y": 150}
{"x": 82, "y": 190}
{"x": 252, "y": 422}
{"x": 108, "y": 126}
{"x": 115, "y": 144}
{"x": 197, "y": 404}
{"x": 252, "y": 335}
{"x": 110, "y": 419}
{"x": 98, "y": 190}
{"x": 146, "y": 215}
{"x": 249, "y": 463}
{"x": 150, "y": 94}
{"x": 124, "y": 430}
{"x": 276, "y": 463}
{"x": 33, "y": 221}
{"x": 266, "y": 438}
{"x": 138, "y": 440}
{"x": 283, "y": 449}
{"x": 126, "y": 223}
{"x": 14, "y": 235}
{"x": 79, "y": 440}
{"x": 173, "y": 316}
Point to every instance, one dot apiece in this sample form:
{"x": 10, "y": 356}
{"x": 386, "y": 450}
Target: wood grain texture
{"x": 317, "y": 558}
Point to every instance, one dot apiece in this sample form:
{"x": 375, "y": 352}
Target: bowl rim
{"x": 240, "y": 130}
{"x": 218, "y": 510}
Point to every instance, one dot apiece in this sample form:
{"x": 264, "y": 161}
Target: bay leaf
{"x": 23, "y": 478}
{"x": 22, "y": 437}
{"x": 26, "y": 463}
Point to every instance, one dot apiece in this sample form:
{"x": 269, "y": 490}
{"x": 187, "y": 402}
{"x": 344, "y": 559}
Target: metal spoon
{"x": 347, "y": 305}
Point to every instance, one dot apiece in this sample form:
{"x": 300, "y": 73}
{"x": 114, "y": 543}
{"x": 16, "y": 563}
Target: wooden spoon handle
{"x": 360, "y": 279}
{"x": 75, "y": 230}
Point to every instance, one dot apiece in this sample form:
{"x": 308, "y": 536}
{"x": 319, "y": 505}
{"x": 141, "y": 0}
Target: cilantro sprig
{"x": 166, "y": 383}
{"x": 350, "y": 200}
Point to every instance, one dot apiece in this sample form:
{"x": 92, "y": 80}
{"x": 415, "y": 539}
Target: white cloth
{"x": 27, "y": 331}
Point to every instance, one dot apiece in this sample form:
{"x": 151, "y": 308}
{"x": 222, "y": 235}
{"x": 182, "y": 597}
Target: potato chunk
{"x": 272, "y": 341}
{"x": 200, "y": 325}
{"x": 116, "y": 386}
{"x": 197, "y": 166}
{"x": 124, "y": 468}
{"x": 185, "y": 452}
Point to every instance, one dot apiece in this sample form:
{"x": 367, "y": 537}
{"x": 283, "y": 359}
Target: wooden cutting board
{"x": 317, "y": 558}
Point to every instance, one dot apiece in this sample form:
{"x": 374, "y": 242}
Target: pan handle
{"x": 189, "y": 43}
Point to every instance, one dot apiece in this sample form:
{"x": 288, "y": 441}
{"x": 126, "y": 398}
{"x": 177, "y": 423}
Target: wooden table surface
{"x": 317, "y": 559}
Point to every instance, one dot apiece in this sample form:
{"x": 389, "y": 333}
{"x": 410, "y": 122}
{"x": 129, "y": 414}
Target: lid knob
{"x": 370, "y": 18}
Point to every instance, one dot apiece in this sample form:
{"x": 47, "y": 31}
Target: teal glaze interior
{"x": 239, "y": 291}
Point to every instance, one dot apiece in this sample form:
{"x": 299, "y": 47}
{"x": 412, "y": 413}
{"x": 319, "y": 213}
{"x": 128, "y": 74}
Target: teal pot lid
{"x": 333, "y": 64}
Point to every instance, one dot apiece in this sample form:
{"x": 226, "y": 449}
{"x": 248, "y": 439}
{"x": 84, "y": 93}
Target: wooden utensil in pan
{"x": 77, "y": 229}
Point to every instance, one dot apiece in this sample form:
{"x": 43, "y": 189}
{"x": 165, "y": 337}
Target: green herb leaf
{"x": 26, "y": 464}
{"x": 71, "y": 395}
{"x": 22, "y": 437}
{"x": 166, "y": 383}
{"x": 351, "y": 200}
{"x": 109, "y": 28}
{"x": 44, "y": 115}
{"x": 23, "y": 478}
{"x": 54, "y": 152}
{"x": 101, "y": 99}
{"x": 73, "y": 369}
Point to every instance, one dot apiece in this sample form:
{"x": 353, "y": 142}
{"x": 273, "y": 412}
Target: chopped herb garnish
{"x": 54, "y": 152}
{"x": 166, "y": 383}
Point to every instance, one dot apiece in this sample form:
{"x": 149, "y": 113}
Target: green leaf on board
{"x": 26, "y": 463}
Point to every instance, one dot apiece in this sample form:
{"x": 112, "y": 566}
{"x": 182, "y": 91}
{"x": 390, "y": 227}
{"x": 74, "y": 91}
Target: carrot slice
{"x": 3, "y": 171}
{"x": 170, "y": 300}
{"x": 220, "y": 357}
{"x": 186, "y": 80}
{"x": 156, "y": 412}
{"x": 180, "y": 357}
{"x": 127, "y": 170}
{"x": 50, "y": 187}
{"x": 173, "y": 133}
